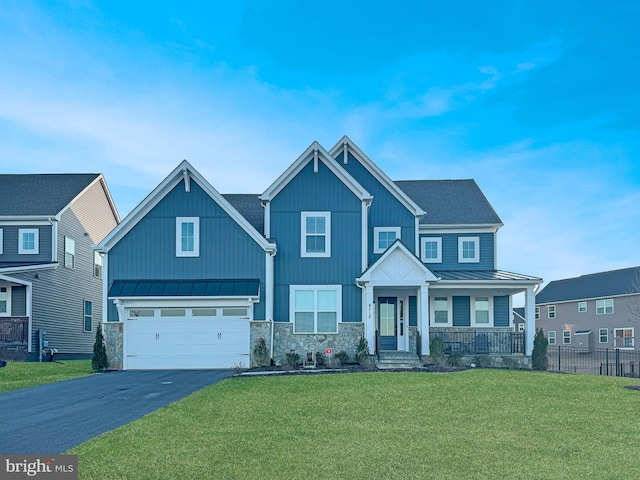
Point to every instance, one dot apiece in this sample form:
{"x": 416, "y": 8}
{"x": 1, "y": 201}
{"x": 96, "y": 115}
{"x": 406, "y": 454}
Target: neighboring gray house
{"x": 50, "y": 276}
{"x": 599, "y": 310}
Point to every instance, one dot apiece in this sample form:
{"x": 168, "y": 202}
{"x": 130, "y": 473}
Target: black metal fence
{"x": 476, "y": 342}
{"x": 595, "y": 361}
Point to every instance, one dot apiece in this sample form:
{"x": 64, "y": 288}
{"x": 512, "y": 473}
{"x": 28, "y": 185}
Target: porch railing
{"x": 479, "y": 342}
{"x": 14, "y": 329}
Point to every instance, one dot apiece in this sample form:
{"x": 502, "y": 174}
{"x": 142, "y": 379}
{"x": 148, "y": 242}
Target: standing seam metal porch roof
{"x": 185, "y": 288}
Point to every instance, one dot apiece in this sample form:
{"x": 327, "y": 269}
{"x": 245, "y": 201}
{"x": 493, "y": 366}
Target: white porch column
{"x": 369, "y": 325}
{"x": 530, "y": 320}
{"x": 424, "y": 317}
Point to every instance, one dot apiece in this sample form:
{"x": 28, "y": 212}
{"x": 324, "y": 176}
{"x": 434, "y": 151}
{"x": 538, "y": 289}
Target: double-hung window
{"x": 551, "y": 311}
{"x": 623, "y": 337}
{"x": 384, "y": 237}
{"x": 1, "y": 242}
{"x": 603, "y": 333}
{"x": 28, "y": 241}
{"x": 551, "y": 337}
{"x": 315, "y": 235}
{"x": 97, "y": 264}
{"x": 431, "y": 250}
{"x": 440, "y": 310}
{"x": 88, "y": 315}
{"x": 566, "y": 337}
{"x": 582, "y": 307}
{"x": 468, "y": 249}
{"x": 69, "y": 252}
{"x": 604, "y": 307}
{"x": 482, "y": 310}
{"x": 5, "y": 299}
{"x": 187, "y": 237}
{"x": 315, "y": 308}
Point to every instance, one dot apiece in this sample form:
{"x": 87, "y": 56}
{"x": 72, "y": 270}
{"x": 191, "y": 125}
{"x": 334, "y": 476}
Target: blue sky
{"x": 537, "y": 101}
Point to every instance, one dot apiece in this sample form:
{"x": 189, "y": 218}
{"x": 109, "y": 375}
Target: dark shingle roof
{"x": 40, "y": 194}
{"x": 450, "y": 202}
{"x": 249, "y": 206}
{"x": 594, "y": 285}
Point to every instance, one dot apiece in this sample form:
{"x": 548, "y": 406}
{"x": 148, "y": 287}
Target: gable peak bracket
{"x": 187, "y": 180}
{"x": 345, "y": 146}
{"x": 315, "y": 160}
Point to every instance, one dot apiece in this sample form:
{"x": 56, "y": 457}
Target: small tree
{"x": 539, "y": 358}
{"x": 362, "y": 352}
{"x": 99, "y": 360}
{"x": 260, "y": 357}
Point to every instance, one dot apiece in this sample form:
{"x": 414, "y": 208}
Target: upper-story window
{"x": 28, "y": 241}
{"x": 384, "y": 237}
{"x": 1, "y": 242}
{"x": 69, "y": 252}
{"x": 468, "y": 249}
{"x": 551, "y": 311}
{"x": 537, "y": 313}
{"x": 604, "y": 307}
{"x": 582, "y": 307}
{"x": 315, "y": 235}
{"x": 431, "y": 249}
{"x": 97, "y": 264}
{"x": 187, "y": 237}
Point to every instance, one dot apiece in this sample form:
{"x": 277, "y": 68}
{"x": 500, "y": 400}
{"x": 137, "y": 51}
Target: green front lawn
{"x": 17, "y": 375}
{"x": 484, "y": 424}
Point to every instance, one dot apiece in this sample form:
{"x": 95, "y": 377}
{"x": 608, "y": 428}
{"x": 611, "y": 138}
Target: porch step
{"x": 393, "y": 360}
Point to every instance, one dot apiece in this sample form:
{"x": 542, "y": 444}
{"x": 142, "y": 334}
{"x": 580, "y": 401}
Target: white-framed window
{"x": 604, "y": 307}
{"x": 566, "y": 337}
{"x": 481, "y": 311}
{"x": 187, "y": 237}
{"x": 551, "y": 311}
{"x": 69, "y": 252}
{"x": 384, "y": 237}
{"x": 582, "y": 307}
{"x": 97, "y": 264}
{"x": 623, "y": 337}
{"x": 28, "y": 241}
{"x": 551, "y": 337}
{"x": 315, "y": 308}
{"x": 88, "y": 316}
{"x": 468, "y": 249}
{"x": 537, "y": 312}
{"x": 5, "y": 301}
{"x": 431, "y": 249}
{"x": 520, "y": 327}
{"x": 441, "y": 314}
{"x": 603, "y": 334}
{"x": 315, "y": 234}
{"x": 1, "y": 242}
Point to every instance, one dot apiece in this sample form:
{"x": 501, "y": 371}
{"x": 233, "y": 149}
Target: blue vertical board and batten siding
{"x": 385, "y": 210}
{"x": 501, "y": 316}
{"x": 461, "y": 311}
{"x": 319, "y": 192}
{"x": 148, "y": 251}
{"x": 450, "y": 252}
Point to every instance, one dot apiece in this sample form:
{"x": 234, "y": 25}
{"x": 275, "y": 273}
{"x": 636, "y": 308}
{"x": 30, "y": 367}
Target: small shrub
{"x": 238, "y": 368}
{"x": 362, "y": 352}
{"x": 436, "y": 351}
{"x": 260, "y": 355}
{"x": 292, "y": 359}
{"x": 99, "y": 360}
{"x": 482, "y": 361}
{"x": 539, "y": 358}
{"x": 341, "y": 358}
{"x": 455, "y": 359}
{"x": 321, "y": 358}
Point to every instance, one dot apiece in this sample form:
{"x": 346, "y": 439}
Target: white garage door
{"x": 183, "y": 338}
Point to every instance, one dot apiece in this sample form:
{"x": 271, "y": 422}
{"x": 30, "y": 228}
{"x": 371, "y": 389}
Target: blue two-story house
{"x": 331, "y": 252}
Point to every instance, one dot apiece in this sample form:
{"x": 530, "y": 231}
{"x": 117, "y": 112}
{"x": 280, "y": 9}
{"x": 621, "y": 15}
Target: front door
{"x": 387, "y": 323}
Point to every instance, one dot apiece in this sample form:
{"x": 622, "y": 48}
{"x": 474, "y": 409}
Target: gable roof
{"x": 315, "y": 151}
{"x": 43, "y": 195}
{"x": 397, "y": 266}
{"x": 450, "y": 202}
{"x": 249, "y": 206}
{"x": 595, "y": 285}
{"x": 183, "y": 172}
{"x": 408, "y": 202}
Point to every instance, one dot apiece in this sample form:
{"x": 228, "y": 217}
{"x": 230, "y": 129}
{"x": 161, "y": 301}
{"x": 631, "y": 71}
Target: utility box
{"x": 584, "y": 341}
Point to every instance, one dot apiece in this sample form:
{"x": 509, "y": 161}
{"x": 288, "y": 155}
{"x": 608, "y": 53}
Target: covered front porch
{"x": 15, "y": 318}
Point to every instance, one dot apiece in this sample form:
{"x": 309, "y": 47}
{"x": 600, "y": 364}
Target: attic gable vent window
{"x": 187, "y": 237}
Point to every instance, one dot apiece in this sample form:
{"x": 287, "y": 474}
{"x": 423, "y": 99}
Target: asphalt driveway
{"x": 50, "y": 419}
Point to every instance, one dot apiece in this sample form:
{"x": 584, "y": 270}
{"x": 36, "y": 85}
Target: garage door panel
{"x": 187, "y": 342}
